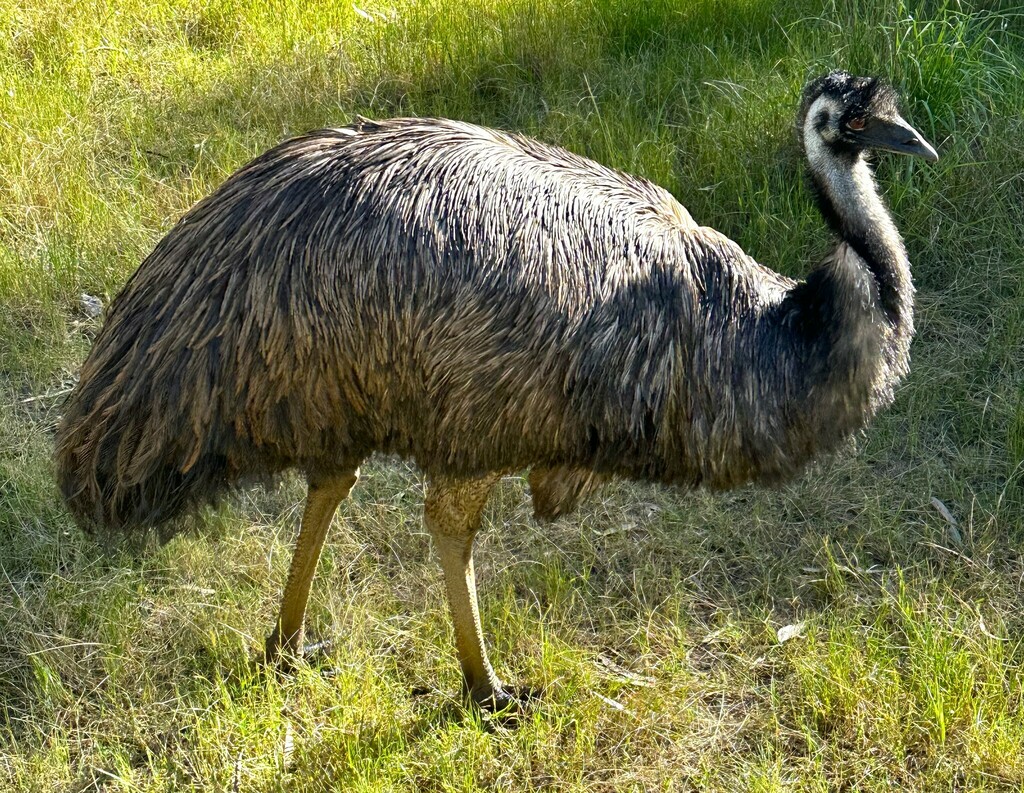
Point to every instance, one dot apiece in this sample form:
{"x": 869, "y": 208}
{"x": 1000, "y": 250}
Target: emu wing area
{"x": 476, "y": 300}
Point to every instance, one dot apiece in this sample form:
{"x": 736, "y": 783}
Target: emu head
{"x": 842, "y": 116}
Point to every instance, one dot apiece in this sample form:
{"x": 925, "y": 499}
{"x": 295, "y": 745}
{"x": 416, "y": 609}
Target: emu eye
{"x": 856, "y": 124}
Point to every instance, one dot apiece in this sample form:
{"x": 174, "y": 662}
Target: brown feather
{"x": 475, "y": 300}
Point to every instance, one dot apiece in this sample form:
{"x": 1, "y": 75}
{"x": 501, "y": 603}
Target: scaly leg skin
{"x": 452, "y": 515}
{"x": 558, "y": 491}
{"x": 322, "y": 500}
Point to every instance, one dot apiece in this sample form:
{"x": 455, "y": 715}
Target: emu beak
{"x": 895, "y": 134}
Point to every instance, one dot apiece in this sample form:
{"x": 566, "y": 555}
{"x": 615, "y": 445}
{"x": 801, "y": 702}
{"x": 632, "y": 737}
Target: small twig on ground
{"x": 47, "y": 395}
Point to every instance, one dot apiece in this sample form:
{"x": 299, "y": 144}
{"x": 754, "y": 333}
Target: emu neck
{"x": 856, "y": 309}
{"x": 849, "y": 201}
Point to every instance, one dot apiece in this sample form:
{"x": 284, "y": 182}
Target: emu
{"x": 483, "y": 303}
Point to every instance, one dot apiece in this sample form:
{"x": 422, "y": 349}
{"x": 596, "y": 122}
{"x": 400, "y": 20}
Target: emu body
{"x": 481, "y": 303}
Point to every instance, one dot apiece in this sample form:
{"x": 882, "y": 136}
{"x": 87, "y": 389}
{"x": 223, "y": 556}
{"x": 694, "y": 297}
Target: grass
{"x": 651, "y": 617}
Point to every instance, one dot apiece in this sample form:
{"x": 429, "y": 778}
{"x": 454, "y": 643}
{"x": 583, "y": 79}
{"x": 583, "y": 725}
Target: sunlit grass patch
{"x": 919, "y": 685}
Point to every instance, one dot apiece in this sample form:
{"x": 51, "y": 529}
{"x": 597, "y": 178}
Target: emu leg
{"x": 558, "y": 491}
{"x": 452, "y": 516}
{"x": 322, "y": 500}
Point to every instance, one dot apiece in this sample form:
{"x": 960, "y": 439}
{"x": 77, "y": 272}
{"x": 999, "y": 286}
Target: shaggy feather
{"x": 477, "y": 301}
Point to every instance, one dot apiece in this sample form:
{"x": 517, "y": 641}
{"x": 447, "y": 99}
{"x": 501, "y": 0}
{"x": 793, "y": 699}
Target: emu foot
{"x": 280, "y": 653}
{"x": 284, "y": 654}
{"x": 503, "y": 701}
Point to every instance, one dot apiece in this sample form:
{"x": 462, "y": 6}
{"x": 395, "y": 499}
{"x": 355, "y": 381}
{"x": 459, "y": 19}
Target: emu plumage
{"x": 481, "y": 303}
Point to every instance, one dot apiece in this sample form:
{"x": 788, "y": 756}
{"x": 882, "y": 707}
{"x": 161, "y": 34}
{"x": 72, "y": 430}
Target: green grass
{"x": 650, "y": 617}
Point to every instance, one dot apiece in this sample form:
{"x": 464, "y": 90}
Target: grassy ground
{"x": 651, "y": 617}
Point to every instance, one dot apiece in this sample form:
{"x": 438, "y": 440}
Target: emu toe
{"x": 279, "y": 654}
{"x": 283, "y": 659}
{"x": 505, "y": 700}
{"x": 282, "y": 654}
